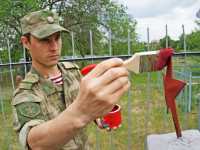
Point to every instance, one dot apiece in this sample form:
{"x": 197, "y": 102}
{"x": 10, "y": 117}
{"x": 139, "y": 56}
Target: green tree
{"x": 193, "y": 41}
{"x": 78, "y": 16}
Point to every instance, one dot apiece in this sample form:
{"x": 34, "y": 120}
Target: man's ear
{"x": 25, "y": 41}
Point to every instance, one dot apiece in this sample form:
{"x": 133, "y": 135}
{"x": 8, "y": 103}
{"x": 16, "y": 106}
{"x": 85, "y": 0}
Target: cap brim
{"x": 47, "y": 30}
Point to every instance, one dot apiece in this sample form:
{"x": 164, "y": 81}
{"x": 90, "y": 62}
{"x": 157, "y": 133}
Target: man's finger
{"x": 113, "y": 74}
{"x": 115, "y": 85}
{"x": 120, "y": 92}
{"x": 105, "y": 65}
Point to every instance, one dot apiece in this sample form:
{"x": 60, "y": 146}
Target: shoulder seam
{"x": 69, "y": 65}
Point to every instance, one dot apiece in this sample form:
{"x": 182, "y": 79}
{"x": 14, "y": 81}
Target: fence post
{"x": 10, "y": 61}
{"x": 190, "y": 92}
{"x": 129, "y": 106}
{"x": 24, "y": 55}
{"x": 129, "y": 43}
{"x": 167, "y": 40}
{"x": 73, "y": 50}
{"x": 91, "y": 45}
{"x": 110, "y": 42}
{"x": 148, "y": 89}
{"x": 198, "y": 98}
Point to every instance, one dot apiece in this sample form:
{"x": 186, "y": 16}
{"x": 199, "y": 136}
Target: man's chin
{"x": 52, "y": 64}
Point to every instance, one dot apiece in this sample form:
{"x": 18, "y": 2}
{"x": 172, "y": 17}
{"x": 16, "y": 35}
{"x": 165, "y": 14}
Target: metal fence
{"x": 143, "y": 107}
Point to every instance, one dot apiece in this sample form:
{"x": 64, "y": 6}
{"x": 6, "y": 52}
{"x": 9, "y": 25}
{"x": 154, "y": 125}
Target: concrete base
{"x": 190, "y": 140}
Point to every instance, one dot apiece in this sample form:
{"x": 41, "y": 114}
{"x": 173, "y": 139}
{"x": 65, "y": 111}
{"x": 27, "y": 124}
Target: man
{"x": 53, "y": 105}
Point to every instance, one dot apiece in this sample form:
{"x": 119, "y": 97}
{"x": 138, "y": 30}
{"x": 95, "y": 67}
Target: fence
{"x": 143, "y": 107}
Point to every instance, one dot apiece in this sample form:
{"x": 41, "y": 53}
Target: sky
{"x": 155, "y": 14}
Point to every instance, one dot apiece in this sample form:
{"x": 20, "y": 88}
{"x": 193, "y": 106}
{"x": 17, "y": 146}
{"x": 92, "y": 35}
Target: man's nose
{"x": 54, "y": 44}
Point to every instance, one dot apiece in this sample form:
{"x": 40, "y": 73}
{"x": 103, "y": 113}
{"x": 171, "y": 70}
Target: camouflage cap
{"x": 41, "y": 24}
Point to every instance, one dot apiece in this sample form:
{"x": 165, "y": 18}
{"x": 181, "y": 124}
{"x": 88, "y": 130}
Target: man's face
{"x": 45, "y": 52}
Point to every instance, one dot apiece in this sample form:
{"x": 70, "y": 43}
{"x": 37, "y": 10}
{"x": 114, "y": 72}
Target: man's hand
{"x": 100, "y": 90}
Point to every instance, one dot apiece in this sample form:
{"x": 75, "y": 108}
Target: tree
{"x": 78, "y": 16}
{"x": 193, "y": 40}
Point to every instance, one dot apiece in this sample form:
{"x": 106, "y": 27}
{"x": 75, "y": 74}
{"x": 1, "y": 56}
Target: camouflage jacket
{"x": 37, "y": 100}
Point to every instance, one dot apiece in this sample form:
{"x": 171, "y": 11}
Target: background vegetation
{"x": 81, "y": 16}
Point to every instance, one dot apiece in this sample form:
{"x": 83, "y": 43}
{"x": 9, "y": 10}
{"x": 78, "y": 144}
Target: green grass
{"x": 148, "y": 116}
{"x": 8, "y": 138}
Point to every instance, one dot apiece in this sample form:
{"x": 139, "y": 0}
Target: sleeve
{"x": 27, "y": 114}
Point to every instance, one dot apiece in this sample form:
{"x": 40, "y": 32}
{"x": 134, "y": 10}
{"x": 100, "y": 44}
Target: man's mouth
{"x": 54, "y": 56}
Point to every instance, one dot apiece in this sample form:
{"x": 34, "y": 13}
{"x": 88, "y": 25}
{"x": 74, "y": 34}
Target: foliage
{"x": 79, "y": 16}
{"x": 193, "y": 41}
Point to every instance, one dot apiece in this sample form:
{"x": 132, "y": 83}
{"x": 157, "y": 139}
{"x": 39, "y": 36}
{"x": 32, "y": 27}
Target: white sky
{"x": 155, "y": 14}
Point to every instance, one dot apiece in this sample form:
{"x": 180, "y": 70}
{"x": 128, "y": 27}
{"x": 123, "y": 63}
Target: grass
{"x": 8, "y": 138}
{"x": 144, "y": 113}
{"x": 148, "y": 115}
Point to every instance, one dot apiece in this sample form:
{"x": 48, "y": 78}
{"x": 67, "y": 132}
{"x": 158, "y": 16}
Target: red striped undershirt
{"x": 57, "y": 79}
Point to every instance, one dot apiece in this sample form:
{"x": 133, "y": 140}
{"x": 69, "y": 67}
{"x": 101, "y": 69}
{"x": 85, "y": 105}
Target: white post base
{"x": 190, "y": 140}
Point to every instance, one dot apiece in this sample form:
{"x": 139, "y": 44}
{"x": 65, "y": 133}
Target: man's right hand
{"x": 100, "y": 90}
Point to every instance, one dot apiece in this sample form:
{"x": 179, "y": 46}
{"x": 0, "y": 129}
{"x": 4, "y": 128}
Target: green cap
{"x": 41, "y": 24}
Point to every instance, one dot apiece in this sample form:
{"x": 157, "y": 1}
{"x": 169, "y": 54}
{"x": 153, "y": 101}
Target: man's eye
{"x": 58, "y": 37}
{"x": 45, "y": 40}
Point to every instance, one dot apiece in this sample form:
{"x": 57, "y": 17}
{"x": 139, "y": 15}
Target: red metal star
{"x": 172, "y": 87}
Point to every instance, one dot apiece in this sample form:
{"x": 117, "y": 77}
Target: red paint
{"x": 172, "y": 87}
{"x": 164, "y": 55}
{"x": 87, "y": 69}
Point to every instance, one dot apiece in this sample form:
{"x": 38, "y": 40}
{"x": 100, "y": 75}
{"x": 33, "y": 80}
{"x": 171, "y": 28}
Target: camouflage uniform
{"x": 37, "y": 100}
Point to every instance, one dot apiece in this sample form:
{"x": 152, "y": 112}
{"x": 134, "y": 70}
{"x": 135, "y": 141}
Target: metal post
{"x": 110, "y": 53}
{"x": 190, "y": 92}
{"x": 110, "y": 42}
{"x": 129, "y": 106}
{"x": 199, "y": 111}
{"x": 98, "y": 147}
{"x": 148, "y": 39}
{"x": 129, "y": 43}
{"x": 24, "y": 55}
{"x": 10, "y": 66}
{"x": 2, "y": 105}
{"x": 91, "y": 54}
{"x": 148, "y": 88}
{"x": 184, "y": 38}
{"x": 111, "y": 141}
{"x": 184, "y": 45}
{"x": 166, "y": 38}
{"x": 8, "y": 142}
{"x": 73, "y": 50}
{"x": 91, "y": 46}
